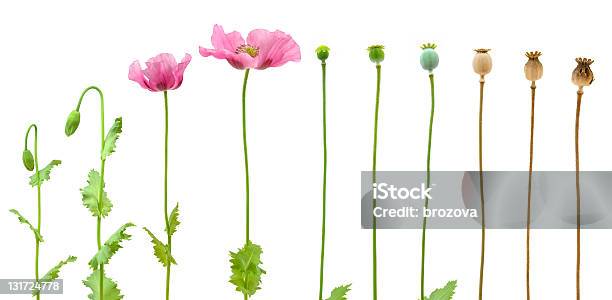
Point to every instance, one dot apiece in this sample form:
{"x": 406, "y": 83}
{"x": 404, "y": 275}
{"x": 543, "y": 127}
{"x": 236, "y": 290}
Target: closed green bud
{"x": 322, "y": 52}
{"x": 28, "y": 160}
{"x": 429, "y": 57}
{"x": 377, "y": 53}
{"x": 72, "y": 123}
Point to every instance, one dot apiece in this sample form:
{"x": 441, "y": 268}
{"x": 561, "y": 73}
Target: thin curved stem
{"x": 324, "y": 181}
{"x": 528, "y": 282}
{"x": 579, "y": 101}
{"x": 102, "y": 166}
{"x": 38, "y": 195}
{"x": 428, "y": 183}
{"x": 482, "y": 196}
{"x": 246, "y": 156}
{"x": 166, "y": 219}
{"x": 374, "y": 255}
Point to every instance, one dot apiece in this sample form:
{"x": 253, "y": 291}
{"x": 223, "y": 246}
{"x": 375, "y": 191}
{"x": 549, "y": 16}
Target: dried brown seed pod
{"x": 482, "y": 62}
{"x": 582, "y": 75}
{"x": 533, "y": 68}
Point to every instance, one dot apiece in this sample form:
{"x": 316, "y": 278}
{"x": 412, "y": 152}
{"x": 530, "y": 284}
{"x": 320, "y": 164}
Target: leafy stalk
{"x": 96, "y": 200}
{"x": 40, "y": 175}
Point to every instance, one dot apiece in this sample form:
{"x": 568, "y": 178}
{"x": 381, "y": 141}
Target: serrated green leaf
{"x": 340, "y": 292}
{"x": 23, "y": 220}
{"x": 445, "y": 293}
{"x": 54, "y": 272}
{"x": 246, "y": 268}
{"x": 90, "y": 195}
{"x": 110, "y": 291}
{"x": 160, "y": 250}
{"x": 110, "y": 247}
{"x": 110, "y": 142}
{"x": 174, "y": 221}
{"x": 44, "y": 173}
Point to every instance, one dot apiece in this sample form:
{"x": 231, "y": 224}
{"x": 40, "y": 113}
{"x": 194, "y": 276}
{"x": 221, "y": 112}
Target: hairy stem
{"x": 374, "y": 256}
{"x": 482, "y": 196}
{"x": 428, "y": 183}
{"x": 533, "y": 91}
{"x": 324, "y": 210}
{"x": 579, "y": 101}
{"x": 101, "y": 189}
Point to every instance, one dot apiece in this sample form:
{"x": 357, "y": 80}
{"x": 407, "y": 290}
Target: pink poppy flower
{"x": 162, "y": 72}
{"x": 263, "y": 49}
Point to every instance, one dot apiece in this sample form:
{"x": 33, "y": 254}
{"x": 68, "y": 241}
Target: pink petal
{"x": 180, "y": 69}
{"x": 221, "y": 40}
{"x": 160, "y": 71}
{"x": 135, "y": 74}
{"x": 275, "y": 48}
{"x": 239, "y": 61}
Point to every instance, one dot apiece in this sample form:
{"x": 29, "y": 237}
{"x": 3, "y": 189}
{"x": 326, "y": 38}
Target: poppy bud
{"x": 28, "y": 160}
{"x": 533, "y": 68}
{"x": 482, "y": 63}
{"x": 377, "y": 53}
{"x": 582, "y": 75}
{"x": 322, "y": 52}
{"x": 72, "y": 123}
{"x": 429, "y": 57}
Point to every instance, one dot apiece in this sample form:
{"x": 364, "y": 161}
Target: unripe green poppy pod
{"x": 28, "y": 160}
{"x": 377, "y": 53}
{"x": 72, "y": 123}
{"x": 429, "y": 57}
{"x": 322, "y": 52}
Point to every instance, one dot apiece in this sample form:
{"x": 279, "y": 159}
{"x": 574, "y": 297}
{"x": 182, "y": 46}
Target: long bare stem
{"x": 482, "y": 197}
{"x": 533, "y": 90}
{"x": 579, "y": 101}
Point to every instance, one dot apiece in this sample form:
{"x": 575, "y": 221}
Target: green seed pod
{"x": 429, "y": 57}
{"x": 377, "y": 53}
{"x": 72, "y": 123}
{"x": 322, "y": 52}
{"x": 28, "y": 160}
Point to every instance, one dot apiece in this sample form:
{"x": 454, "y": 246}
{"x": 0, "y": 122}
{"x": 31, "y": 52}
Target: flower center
{"x": 252, "y": 51}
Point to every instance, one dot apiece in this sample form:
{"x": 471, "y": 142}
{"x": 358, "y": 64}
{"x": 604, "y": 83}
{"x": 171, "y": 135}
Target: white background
{"x": 52, "y": 50}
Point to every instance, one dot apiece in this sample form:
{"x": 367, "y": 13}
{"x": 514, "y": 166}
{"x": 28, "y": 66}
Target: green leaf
{"x": 44, "y": 173}
{"x": 110, "y": 292}
{"x": 340, "y": 292}
{"x": 111, "y": 138}
{"x": 91, "y": 193}
{"x": 54, "y": 272}
{"x": 160, "y": 250}
{"x": 23, "y": 220}
{"x": 174, "y": 221}
{"x": 110, "y": 247}
{"x": 246, "y": 269}
{"x": 445, "y": 293}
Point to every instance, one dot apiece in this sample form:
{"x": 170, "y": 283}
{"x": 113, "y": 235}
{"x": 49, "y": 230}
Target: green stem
{"x": 38, "y": 226}
{"x": 324, "y": 182}
{"x": 166, "y": 219}
{"x": 101, "y": 189}
{"x": 431, "y": 119}
{"x": 246, "y": 156}
{"x": 482, "y": 196}
{"x": 374, "y": 256}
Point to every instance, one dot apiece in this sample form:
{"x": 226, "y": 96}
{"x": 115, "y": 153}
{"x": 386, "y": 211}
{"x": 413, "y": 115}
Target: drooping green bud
{"x": 322, "y": 52}
{"x": 28, "y": 159}
{"x": 72, "y": 123}
{"x": 429, "y": 57}
{"x": 377, "y": 53}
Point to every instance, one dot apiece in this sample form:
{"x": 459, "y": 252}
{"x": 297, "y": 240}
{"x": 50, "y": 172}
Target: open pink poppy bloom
{"x": 162, "y": 72}
{"x": 263, "y": 49}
